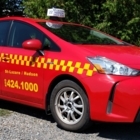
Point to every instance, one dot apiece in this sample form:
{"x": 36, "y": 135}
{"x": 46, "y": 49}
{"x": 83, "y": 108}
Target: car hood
{"x": 127, "y": 55}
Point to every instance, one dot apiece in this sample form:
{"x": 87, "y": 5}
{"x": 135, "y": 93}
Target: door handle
{"x": 5, "y": 58}
{"x": 50, "y": 63}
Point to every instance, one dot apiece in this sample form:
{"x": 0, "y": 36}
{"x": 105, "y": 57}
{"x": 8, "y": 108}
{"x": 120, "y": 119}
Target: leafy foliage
{"x": 2, "y": 3}
{"x": 122, "y": 19}
{"x": 117, "y": 17}
{"x": 11, "y": 7}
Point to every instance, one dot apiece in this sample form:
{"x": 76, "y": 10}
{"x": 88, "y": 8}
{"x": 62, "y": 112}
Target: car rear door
{"x": 21, "y": 73}
{"x": 4, "y": 32}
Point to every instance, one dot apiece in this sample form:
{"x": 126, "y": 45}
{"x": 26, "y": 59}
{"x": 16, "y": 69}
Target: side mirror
{"x": 32, "y": 44}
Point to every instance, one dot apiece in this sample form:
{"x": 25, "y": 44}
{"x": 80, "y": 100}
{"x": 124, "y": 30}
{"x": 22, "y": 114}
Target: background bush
{"x": 120, "y": 18}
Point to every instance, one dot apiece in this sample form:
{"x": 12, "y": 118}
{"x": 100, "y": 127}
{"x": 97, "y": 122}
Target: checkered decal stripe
{"x": 48, "y": 63}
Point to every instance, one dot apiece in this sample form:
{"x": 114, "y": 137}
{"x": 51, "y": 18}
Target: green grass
{"x": 4, "y": 112}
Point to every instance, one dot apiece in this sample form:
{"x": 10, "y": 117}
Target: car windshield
{"x": 79, "y": 34}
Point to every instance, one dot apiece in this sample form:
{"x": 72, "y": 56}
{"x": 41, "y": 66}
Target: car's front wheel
{"x": 69, "y": 106}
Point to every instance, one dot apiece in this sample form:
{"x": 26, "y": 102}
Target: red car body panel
{"x": 112, "y": 52}
{"x": 111, "y": 98}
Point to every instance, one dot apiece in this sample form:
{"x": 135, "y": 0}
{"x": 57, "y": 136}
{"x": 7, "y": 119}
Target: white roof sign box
{"x": 56, "y": 12}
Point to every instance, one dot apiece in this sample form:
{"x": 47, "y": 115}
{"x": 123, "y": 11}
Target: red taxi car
{"x": 76, "y": 72}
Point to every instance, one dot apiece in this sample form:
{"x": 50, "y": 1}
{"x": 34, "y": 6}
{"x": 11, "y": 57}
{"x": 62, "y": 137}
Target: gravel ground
{"x": 26, "y": 123}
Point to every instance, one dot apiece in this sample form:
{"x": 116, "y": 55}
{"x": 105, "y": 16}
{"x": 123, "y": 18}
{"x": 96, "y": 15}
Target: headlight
{"x": 107, "y": 66}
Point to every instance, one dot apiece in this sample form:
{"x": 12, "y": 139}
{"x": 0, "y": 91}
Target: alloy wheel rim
{"x": 69, "y": 105}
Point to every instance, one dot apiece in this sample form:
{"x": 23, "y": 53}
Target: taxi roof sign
{"x": 56, "y": 12}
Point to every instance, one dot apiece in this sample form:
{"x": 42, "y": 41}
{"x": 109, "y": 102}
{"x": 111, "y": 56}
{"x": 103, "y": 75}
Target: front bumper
{"x": 113, "y": 98}
{"x": 127, "y": 96}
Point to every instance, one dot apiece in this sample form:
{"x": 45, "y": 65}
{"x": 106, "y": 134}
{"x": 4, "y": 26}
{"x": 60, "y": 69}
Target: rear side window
{"x": 4, "y": 30}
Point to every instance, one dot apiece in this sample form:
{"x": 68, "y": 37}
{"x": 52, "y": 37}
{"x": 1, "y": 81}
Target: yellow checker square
{"x": 51, "y": 66}
{"x": 71, "y": 69}
{"x": 94, "y": 69}
{"x": 49, "y": 60}
{"x": 37, "y": 59}
{"x": 30, "y": 58}
{"x": 28, "y": 63}
{"x": 17, "y": 62}
{"x": 12, "y": 61}
{"x": 25, "y": 58}
{"x": 11, "y": 56}
{"x": 20, "y": 57}
{"x": 55, "y": 62}
{"x": 45, "y": 65}
{"x": 62, "y": 62}
{"x": 69, "y": 64}
{"x": 86, "y": 66}
{"x": 57, "y": 67}
{"x": 89, "y": 72}
{"x": 80, "y": 70}
{"x": 42, "y": 60}
{"x": 15, "y": 57}
{"x": 1, "y": 55}
{"x": 22, "y": 62}
{"x": 64, "y": 68}
{"x": 39, "y": 65}
{"x": 78, "y": 64}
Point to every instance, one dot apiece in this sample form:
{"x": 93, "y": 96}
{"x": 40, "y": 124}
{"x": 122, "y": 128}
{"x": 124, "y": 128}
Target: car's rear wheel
{"x": 69, "y": 106}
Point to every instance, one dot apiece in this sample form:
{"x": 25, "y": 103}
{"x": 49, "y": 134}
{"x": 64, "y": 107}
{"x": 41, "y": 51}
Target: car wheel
{"x": 69, "y": 106}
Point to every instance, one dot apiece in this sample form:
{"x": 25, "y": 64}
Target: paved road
{"x": 26, "y": 123}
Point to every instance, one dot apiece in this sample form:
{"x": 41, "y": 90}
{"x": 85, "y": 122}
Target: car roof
{"x": 33, "y": 20}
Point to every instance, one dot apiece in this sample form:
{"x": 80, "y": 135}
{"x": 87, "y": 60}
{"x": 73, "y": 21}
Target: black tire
{"x": 68, "y": 97}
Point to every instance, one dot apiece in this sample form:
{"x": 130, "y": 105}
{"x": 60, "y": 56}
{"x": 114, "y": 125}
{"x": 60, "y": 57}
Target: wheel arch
{"x": 55, "y": 81}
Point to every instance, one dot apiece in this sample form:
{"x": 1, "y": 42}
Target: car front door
{"x": 21, "y": 73}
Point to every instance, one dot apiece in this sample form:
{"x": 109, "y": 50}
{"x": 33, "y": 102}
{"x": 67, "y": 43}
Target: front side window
{"x": 21, "y": 32}
{"x": 4, "y": 29}
{"x": 79, "y": 34}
